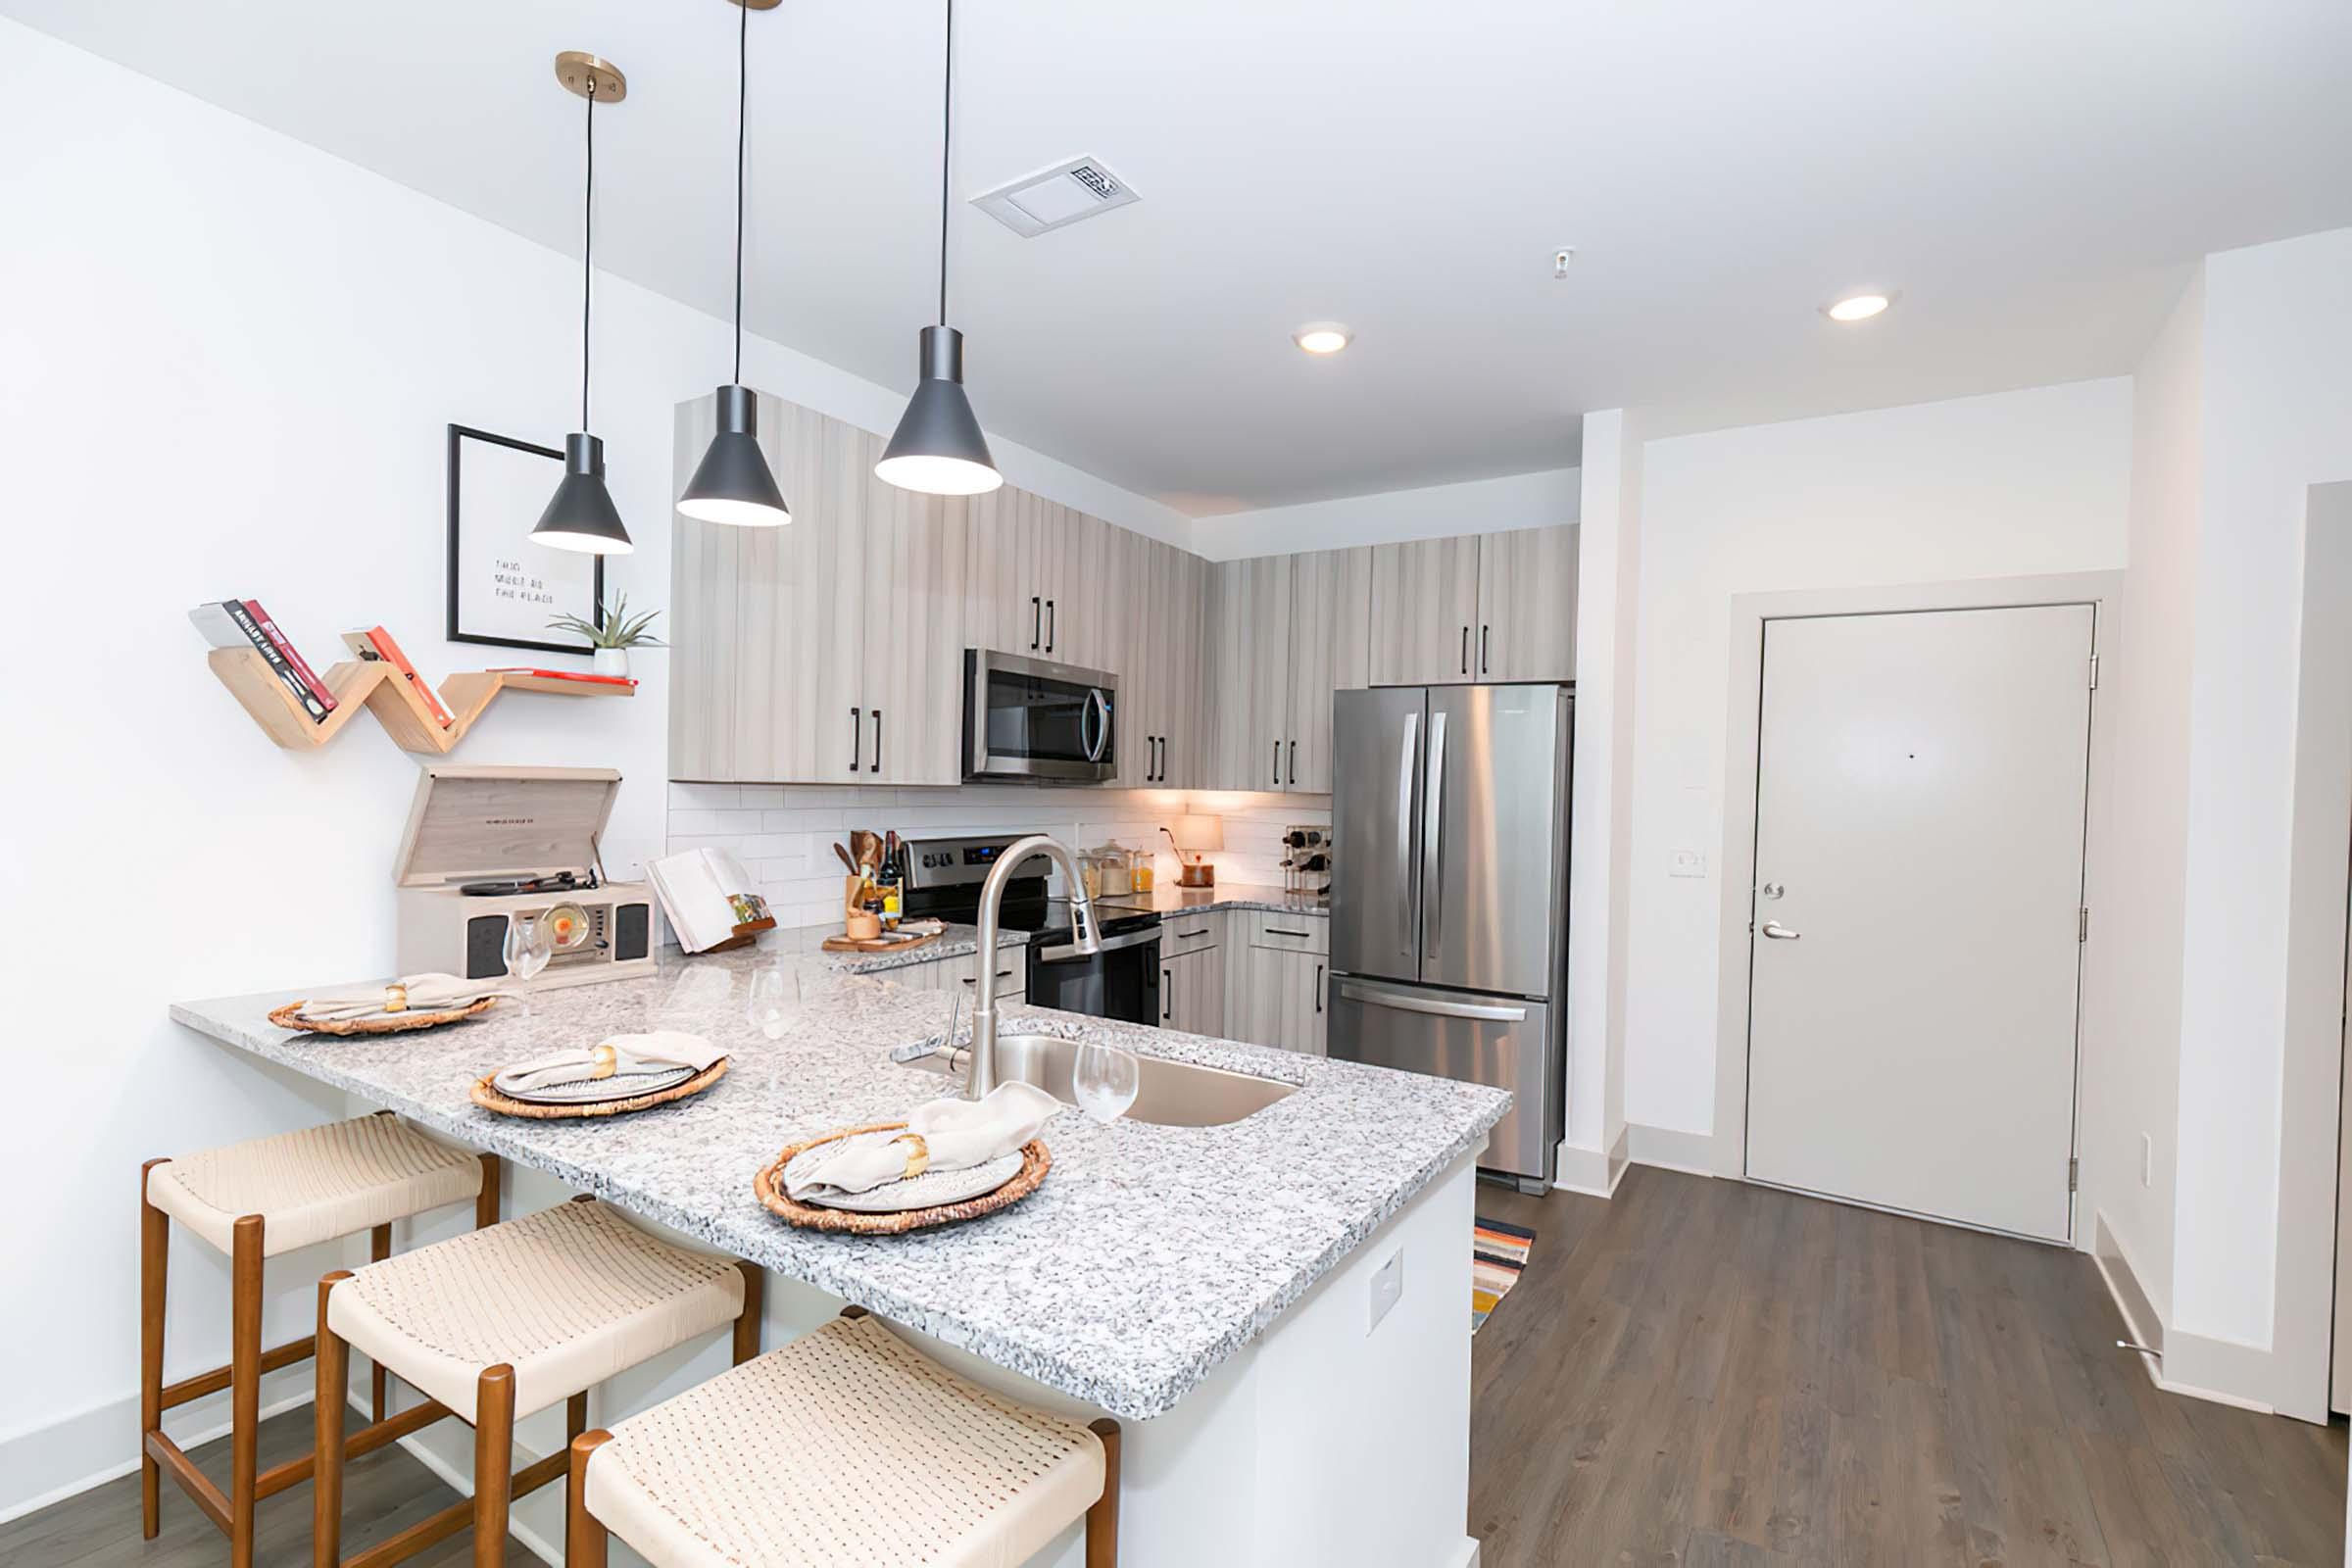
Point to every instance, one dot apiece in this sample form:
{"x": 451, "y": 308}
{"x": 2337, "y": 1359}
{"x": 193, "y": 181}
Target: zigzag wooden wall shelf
{"x": 384, "y": 691}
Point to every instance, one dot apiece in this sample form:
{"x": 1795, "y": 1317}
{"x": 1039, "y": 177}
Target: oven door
{"x": 1120, "y": 982}
{"x": 1026, "y": 719}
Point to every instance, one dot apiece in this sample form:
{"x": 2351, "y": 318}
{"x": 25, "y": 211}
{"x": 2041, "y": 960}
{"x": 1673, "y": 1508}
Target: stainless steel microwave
{"x": 1029, "y": 718}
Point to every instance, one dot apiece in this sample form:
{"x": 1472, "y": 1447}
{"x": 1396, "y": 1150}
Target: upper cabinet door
{"x": 1004, "y": 610}
{"x": 1250, "y": 672}
{"x": 1331, "y": 604}
{"x": 1527, "y": 606}
{"x": 1424, "y": 611}
{"x": 1184, "y": 748}
{"x": 1138, "y": 616}
{"x": 1085, "y": 623}
{"x": 910, "y": 631}
{"x": 704, "y": 571}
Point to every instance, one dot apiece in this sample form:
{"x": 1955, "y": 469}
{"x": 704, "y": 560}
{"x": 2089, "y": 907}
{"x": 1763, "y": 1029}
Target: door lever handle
{"x": 1779, "y": 933}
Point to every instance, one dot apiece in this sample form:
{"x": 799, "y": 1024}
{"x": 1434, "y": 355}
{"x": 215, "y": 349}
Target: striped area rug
{"x": 1498, "y": 1253}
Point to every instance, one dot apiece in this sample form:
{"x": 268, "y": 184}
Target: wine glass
{"x": 529, "y": 945}
{"x": 1105, "y": 1080}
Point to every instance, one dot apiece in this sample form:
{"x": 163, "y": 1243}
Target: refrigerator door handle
{"x": 1412, "y": 1001}
{"x": 1405, "y": 810}
{"x": 1433, "y": 840}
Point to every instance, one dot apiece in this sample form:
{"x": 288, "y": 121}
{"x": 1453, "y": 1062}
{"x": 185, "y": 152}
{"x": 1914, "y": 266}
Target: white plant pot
{"x": 612, "y": 661}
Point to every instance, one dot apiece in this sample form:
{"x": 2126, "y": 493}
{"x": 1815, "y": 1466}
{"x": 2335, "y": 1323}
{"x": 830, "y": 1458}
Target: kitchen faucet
{"x": 991, "y": 899}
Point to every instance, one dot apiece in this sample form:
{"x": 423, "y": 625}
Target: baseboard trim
{"x": 2131, "y": 1300}
{"x": 1671, "y": 1148}
{"x": 2208, "y": 1368}
{"x": 1591, "y": 1171}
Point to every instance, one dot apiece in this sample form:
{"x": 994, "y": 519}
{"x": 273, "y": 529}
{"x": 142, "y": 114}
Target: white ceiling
{"x": 2034, "y": 178}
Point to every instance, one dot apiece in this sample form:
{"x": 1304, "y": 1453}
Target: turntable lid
{"x": 470, "y": 822}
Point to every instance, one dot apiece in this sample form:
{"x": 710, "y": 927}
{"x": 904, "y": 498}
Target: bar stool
{"x": 847, "y": 1446}
{"x": 501, "y": 1323}
{"x": 255, "y": 1201}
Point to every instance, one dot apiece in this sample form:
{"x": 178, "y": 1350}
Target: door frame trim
{"x": 1737, "y": 855}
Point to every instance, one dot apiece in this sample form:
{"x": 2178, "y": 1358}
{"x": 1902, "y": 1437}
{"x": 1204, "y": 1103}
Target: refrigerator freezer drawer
{"x": 1500, "y": 1041}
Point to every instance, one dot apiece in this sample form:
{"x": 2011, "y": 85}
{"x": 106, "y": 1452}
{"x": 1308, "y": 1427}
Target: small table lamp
{"x": 1195, "y": 837}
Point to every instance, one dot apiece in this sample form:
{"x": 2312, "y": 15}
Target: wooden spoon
{"x": 848, "y": 865}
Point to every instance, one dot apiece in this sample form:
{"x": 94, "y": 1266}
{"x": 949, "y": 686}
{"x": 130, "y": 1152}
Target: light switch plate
{"x": 1388, "y": 1287}
{"x": 1687, "y": 863}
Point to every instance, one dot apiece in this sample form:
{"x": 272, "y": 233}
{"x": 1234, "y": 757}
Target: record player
{"x": 484, "y": 845}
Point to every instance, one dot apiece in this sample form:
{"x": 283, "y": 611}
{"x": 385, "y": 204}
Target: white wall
{"x": 1434, "y": 512}
{"x": 226, "y": 363}
{"x": 2130, "y": 990}
{"x": 2015, "y": 483}
{"x": 2278, "y": 419}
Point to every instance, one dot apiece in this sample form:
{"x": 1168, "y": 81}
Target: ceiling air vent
{"x": 1052, "y": 197}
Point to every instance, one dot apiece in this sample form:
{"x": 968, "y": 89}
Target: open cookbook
{"x": 707, "y": 896}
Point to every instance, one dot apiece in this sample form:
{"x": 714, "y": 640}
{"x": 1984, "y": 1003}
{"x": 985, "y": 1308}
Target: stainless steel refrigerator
{"x": 1449, "y": 898}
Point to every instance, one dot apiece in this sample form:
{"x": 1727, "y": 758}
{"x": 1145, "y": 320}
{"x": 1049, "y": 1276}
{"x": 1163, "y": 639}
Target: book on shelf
{"x": 376, "y": 643}
{"x": 239, "y": 623}
{"x": 707, "y": 896}
{"x": 564, "y": 675}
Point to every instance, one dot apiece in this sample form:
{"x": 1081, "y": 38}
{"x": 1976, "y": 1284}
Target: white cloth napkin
{"x": 634, "y": 1055}
{"x": 427, "y": 993}
{"x": 959, "y": 1133}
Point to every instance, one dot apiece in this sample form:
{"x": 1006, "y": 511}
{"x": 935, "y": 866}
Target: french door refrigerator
{"x": 1449, "y": 897}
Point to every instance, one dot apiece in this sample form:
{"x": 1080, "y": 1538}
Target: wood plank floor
{"x": 1699, "y": 1373}
{"x": 1707, "y": 1373}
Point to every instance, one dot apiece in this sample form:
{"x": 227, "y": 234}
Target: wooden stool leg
{"x": 155, "y": 1257}
{"x": 244, "y": 1386}
{"x": 493, "y": 1463}
{"x": 1102, "y": 1519}
{"x": 326, "y": 1462}
{"x": 485, "y": 1202}
{"x": 583, "y": 1538}
{"x": 748, "y": 1321}
{"x": 379, "y": 1248}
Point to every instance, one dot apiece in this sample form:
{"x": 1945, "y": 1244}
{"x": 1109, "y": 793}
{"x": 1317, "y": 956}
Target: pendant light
{"x": 581, "y": 515}
{"x": 938, "y": 448}
{"x": 733, "y": 483}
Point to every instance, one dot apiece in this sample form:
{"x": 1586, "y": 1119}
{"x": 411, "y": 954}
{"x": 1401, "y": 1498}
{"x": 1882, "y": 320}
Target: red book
{"x": 564, "y": 675}
{"x": 378, "y": 643}
{"x": 285, "y": 647}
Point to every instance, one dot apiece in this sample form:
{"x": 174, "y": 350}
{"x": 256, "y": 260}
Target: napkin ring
{"x": 396, "y": 997}
{"x": 919, "y": 1158}
{"x": 603, "y": 1062}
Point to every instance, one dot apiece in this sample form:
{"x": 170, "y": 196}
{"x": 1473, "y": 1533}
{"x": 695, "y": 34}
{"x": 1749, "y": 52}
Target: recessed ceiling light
{"x": 1857, "y": 307}
{"x": 1322, "y": 337}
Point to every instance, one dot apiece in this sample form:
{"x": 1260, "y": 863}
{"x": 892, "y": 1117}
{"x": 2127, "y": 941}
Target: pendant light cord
{"x": 587, "y": 253}
{"x": 743, "y": 96}
{"x": 946, "y": 137}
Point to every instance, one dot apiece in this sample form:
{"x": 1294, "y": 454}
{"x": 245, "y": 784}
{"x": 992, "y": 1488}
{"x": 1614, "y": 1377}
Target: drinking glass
{"x": 529, "y": 945}
{"x": 1106, "y": 1079}
{"x": 773, "y": 997}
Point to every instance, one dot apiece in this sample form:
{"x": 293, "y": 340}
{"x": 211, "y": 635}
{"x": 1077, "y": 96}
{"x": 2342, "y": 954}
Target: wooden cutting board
{"x": 882, "y": 944}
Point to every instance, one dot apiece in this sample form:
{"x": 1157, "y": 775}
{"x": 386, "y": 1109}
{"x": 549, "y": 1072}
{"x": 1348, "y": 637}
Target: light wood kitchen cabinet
{"x": 963, "y": 975}
{"x": 1192, "y": 991}
{"x": 1496, "y": 607}
{"x": 829, "y": 650}
{"x": 1041, "y": 582}
{"x": 1248, "y": 620}
{"x": 1281, "y": 1000}
{"x": 1527, "y": 605}
{"x": 1331, "y": 651}
{"x": 1160, "y": 591}
{"x": 1424, "y": 610}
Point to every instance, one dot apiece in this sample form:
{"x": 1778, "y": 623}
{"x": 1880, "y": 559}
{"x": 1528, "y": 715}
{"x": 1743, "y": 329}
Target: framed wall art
{"x": 504, "y": 589}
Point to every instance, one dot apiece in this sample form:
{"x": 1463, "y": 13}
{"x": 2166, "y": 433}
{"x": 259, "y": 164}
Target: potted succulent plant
{"x": 617, "y": 634}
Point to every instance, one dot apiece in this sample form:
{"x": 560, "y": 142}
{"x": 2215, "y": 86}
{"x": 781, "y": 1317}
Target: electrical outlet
{"x": 1687, "y": 863}
{"x": 1388, "y": 1287}
{"x": 2147, "y": 1160}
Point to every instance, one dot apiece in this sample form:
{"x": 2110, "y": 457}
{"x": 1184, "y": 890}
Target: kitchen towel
{"x": 416, "y": 993}
{"x": 656, "y": 1055}
{"x": 957, "y": 1134}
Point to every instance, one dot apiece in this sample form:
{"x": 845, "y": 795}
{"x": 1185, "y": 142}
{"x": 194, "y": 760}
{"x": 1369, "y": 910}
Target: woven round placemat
{"x": 1036, "y": 1160}
{"x": 290, "y": 1016}
{"x": 489, "y": 1099}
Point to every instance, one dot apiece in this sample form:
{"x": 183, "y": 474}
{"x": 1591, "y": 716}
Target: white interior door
{"x": 1919, "y": 879}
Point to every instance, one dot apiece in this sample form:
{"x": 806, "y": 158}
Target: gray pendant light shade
{"x": 733, "y": 484}
{"x": 582, "y": 516}
{"x": 938, "y": 448}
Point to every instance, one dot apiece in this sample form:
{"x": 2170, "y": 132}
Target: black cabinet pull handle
{"x": 1278, "y": 765}
{"x": 1037, "y": 623}
{"x": 1152, "y": 766}
{"x": 1277, "y": 931}
{"x": 876, "y": 765}
{"x": 1167, "y": 993}
{"x": 1318, "y": 987}
{"x": 1294, "y": 761}
{"x": 857, "y": 736}
{"x": 1466, "y": 650}
{"x": 1481, "y": 649}
{"x": 1049, "y": 625}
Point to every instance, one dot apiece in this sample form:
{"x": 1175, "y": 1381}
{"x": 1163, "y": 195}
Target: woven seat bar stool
{"x": 501, "y": 1323}
{"x": 847, "y": 1446}
{"x": 255, "y": 1201}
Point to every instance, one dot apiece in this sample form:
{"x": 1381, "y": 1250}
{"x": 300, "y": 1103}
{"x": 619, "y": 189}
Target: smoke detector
{"x": 1053, "y": 198}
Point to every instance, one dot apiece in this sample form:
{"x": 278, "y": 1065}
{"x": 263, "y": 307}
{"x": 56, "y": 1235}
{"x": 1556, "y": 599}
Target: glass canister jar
{"x": 1140, "y": 870}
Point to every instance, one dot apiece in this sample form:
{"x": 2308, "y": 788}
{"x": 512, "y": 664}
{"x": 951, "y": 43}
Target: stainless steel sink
{"x": 1172, "y": 1094}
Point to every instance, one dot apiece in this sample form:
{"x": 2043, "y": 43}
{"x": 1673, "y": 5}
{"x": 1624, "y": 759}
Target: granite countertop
{"x": 1166, "y": 897}
{"x": 806, "y": 941}
{"x": 1149, "y": 1255}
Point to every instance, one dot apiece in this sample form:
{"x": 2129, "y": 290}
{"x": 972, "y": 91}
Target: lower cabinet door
{"x": 1192, "y": 992}
{"x": 1282, "y": 1001}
